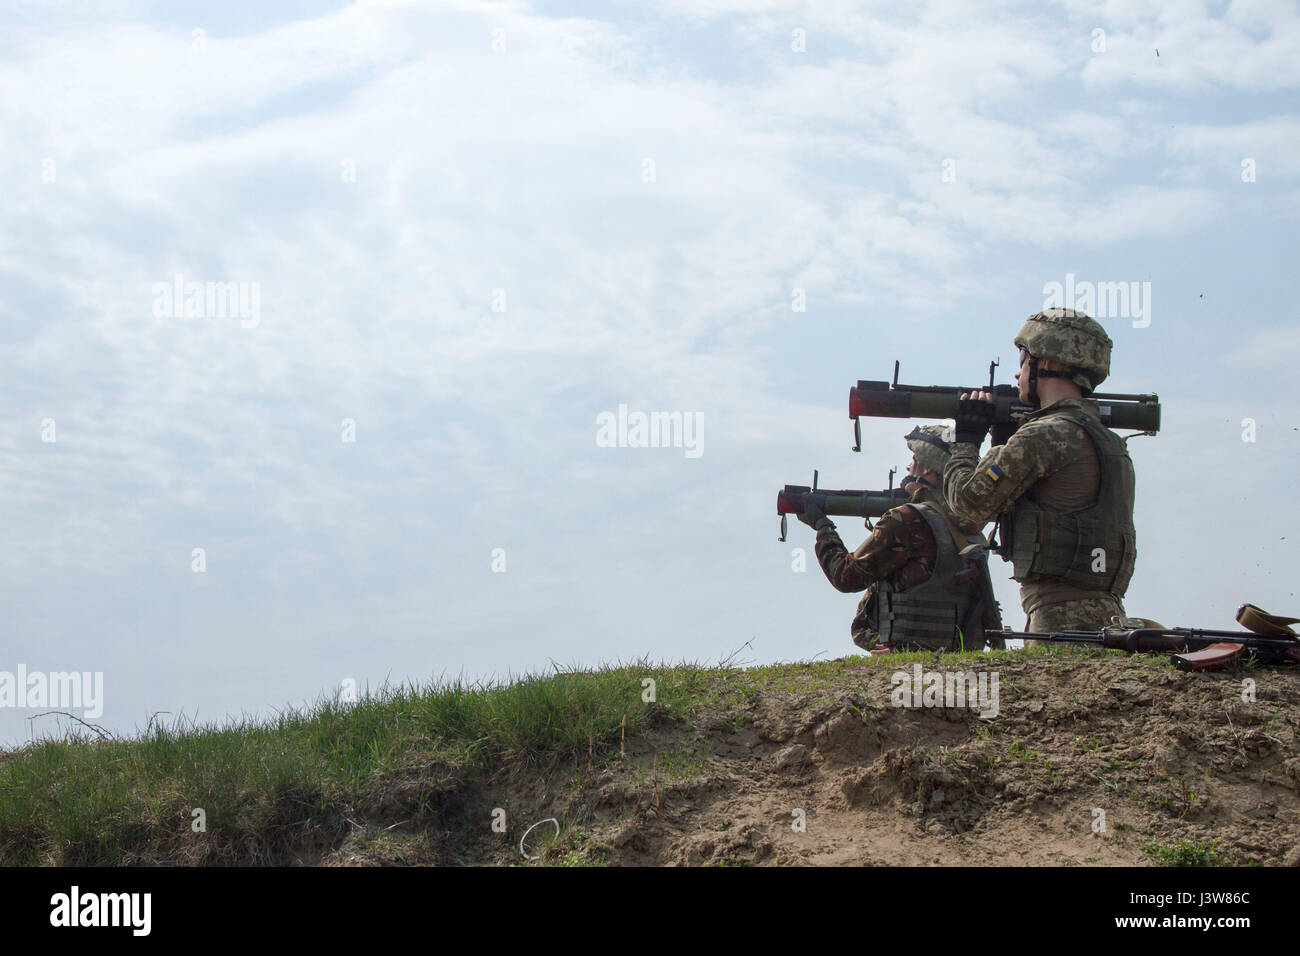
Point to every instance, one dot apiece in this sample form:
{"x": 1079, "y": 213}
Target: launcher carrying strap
{"x": 1261, "y": 622}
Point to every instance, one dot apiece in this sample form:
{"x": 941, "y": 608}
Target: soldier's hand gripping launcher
{"x": 857, "y": 504}
{"x": 891, "y": 400}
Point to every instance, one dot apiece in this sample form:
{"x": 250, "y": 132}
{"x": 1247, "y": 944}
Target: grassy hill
{"x": 1093, "y": 758}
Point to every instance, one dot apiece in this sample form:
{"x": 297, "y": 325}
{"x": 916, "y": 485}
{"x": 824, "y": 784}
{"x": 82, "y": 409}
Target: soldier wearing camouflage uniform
{"x": 1061, "y": 483}
{"x": 909, "y": 563}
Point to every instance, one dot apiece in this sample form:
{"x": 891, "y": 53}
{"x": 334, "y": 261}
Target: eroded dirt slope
{"x": 1096, "y": 760}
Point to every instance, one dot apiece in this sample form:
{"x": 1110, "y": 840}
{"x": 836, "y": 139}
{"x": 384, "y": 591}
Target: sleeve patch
{"x": 994, "y": 472}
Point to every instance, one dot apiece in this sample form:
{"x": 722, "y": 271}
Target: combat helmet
{"x": 929, "y": 444}
{"x": 1071, "y": 338}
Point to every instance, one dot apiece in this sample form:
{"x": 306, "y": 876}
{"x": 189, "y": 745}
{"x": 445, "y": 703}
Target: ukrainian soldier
{"x": 909, "y": 564}
{"x": 1061, "y": 484}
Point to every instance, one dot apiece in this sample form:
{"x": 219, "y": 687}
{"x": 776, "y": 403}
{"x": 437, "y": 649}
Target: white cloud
{"x": 1254, "y": 47}
{"x": 1271, "y": 143}
{"x": 523, "y": 171}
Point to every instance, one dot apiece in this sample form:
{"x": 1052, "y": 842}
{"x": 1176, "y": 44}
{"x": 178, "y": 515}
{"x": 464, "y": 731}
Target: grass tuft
{"x": 276, "y": 791}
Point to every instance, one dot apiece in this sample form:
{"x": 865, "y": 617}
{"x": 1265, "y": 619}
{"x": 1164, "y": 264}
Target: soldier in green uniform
{"x": 1061, "y": 484}
{"x": 909, "y": 564}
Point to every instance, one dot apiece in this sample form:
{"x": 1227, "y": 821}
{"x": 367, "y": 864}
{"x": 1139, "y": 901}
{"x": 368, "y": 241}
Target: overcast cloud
{"x": 474, "y": 227}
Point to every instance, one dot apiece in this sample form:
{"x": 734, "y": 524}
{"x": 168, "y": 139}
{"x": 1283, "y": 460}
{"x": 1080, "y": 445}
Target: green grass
{"x": 85, "y": 801}
{"x": 279, "y": 790}
{"x": 681, "y": 763}
{"x": 297, "y": 785}
{"x": 1183, "y": 853}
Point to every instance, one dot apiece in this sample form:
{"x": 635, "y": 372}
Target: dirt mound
{"x": 1093, "y": 759}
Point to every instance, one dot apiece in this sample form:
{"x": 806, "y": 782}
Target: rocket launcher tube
{"x": 891, "y": 400}
{"x": 856, "y": 504}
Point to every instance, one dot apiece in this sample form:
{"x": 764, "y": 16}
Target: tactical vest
{"x": 1062, "y": 544}
{"x": 929, "y": 613}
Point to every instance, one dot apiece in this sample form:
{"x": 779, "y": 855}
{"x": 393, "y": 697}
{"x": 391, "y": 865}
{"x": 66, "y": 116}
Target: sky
{"x": 435, "y": 243}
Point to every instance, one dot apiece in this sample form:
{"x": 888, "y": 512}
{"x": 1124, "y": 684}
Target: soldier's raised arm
{"x": 979, "y": 489}
{"x": 900, "y": 547}
{"x": 883, "y": 553}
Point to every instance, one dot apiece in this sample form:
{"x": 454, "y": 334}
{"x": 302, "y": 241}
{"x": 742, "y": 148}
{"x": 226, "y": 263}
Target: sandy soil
{"x": 1089, "y": 761}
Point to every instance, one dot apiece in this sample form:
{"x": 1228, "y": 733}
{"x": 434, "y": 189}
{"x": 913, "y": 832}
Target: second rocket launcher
{"x": 841, "y": 503}
{"x": 891, "y": 400}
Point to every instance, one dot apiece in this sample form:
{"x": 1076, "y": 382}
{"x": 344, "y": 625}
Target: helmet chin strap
{"x": 1035, "y": 373}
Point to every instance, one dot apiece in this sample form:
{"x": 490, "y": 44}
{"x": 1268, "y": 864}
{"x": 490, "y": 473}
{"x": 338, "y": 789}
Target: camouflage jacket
{"x": 901, "y": 549}
{"x": 1047, "y": 450}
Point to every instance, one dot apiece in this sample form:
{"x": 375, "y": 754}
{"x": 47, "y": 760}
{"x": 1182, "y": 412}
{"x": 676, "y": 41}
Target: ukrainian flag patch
{"x": 993, "y": 471}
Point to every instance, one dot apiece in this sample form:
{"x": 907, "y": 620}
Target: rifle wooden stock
{"x": 891, "y": 400}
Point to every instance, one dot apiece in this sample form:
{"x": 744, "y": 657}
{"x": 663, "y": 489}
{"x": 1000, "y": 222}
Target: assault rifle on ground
{"x": 891, "y": 400}
{"x": 1191, "y": 648}
{"x": 841, "y": 503}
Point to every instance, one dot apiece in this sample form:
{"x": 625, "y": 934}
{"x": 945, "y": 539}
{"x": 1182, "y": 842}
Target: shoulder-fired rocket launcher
{"x": 891, "y": 400}
{"x": 841, "y": 503}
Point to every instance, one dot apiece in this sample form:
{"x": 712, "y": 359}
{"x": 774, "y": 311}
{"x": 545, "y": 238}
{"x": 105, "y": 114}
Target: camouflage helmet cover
{"x": 1071, "y": 338}
{"x": 929, "y": 444}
